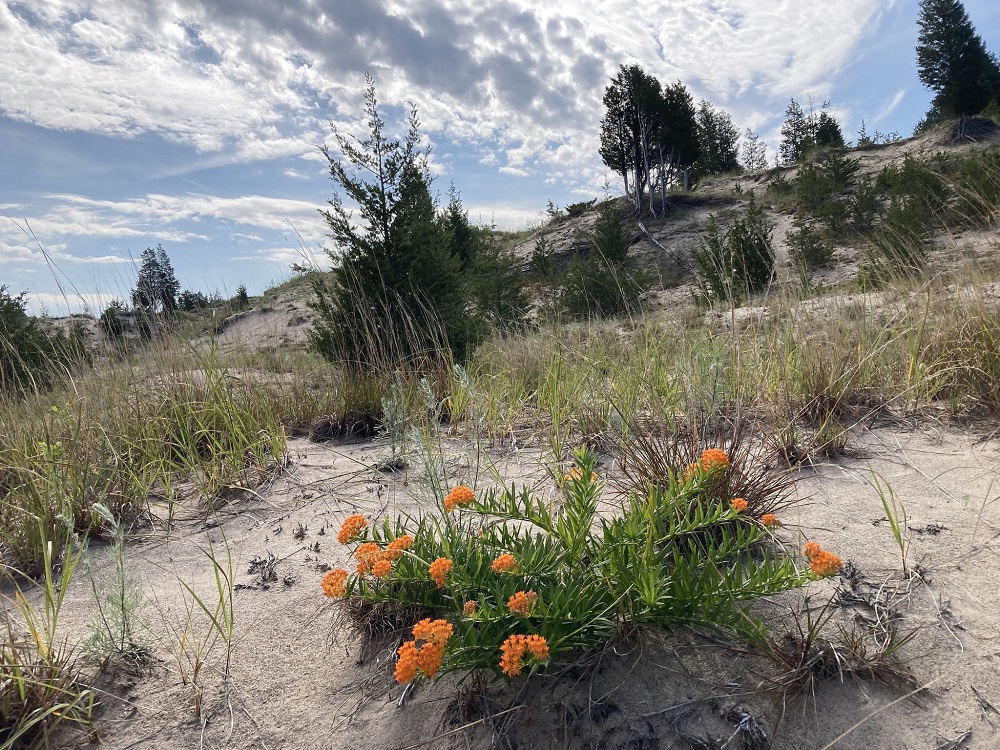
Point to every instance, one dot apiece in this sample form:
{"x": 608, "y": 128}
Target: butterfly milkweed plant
{"x": 509, "y": 581}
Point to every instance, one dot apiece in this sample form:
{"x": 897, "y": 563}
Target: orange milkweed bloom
{"x": 770, "y": 520}
{"x": 521, "y": 602}
{"x": 575, "y": 474}
{"x": 382, "y": 568}
{"x": 351, "y": 527}
{"x": 367, "y": 555}
{"x": 334, "y": 583}
{"x": 469, "y": 608}
{"x": 460, "y": 495}
{"x": 712, "y": 457}
{"x": 439, "y": 570}
{"x": 429, "y": 658}
{"x": 395, "y": 548}
{"x": 739, "y": 504}
{"x": 821, "y": 562}
{"x": 426, "y": 658}
{"x": 514, "y": 649}
{"x": 505, "y": 563}
{"x": 435, "y": 631}
{"x": 406, "y": 664}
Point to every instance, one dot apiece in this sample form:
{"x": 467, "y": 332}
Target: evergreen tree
{"x": 794, "y": 133}
{"x": 802, "y": 134}
{"x": 462, "y": 237}
{"x": 30, "y": 358}
{"x": 953, "y": 62}
{"x": 157, "y": 287}
{"x": 648, "y": 133}
{"x": 677, "y": 140}
{"x": 113, "y": 322}
{"x": 241, "y": 300}
{"x": 754, "y": 152}
{"x": 827, "y": 133}
{"x": 718, "y": 140}
{"x": 394, "y": 276}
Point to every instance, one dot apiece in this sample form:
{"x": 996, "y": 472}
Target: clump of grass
{"x": 41, "y": 685}
{"x": 808, "y": 657}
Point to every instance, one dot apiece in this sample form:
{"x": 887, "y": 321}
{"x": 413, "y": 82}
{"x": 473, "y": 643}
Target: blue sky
{"x": 195, "y": 123}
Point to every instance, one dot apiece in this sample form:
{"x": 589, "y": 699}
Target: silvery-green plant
{"x": 115, "y": 633}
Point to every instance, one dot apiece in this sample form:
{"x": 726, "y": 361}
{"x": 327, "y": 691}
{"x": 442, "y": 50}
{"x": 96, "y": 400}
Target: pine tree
{"x": 794, "y": 132}
{"x": 754, "y": 152}
{"x": 827, "y": 133}
{"x": 156, "y": 288}
{"x": 953, "y": 62}
{"x": 394, "y": 276}
{"x": 718, "y": 139}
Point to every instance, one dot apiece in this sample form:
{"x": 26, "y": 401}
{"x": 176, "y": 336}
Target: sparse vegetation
{"x": 487, "y": 345}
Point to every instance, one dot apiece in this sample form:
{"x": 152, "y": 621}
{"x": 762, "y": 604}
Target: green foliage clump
{"x": 31, "y": 359}
{"x": 977, "y": 190}
{"x": 803, "y": 134}
{"x": 809, "y": 247}
{"x": 578, "y": 209}
{"x": 114, "y": 322}
{"x": 395, "y": 269}
{"x": 739, "y": 262}
{"x": 822, "y": 186}
{"x": 241, "y": 300}
{"x": 190, "y": 300}
{"x": 602, "y": 284}
{"x": 516, "y": 580}
{"x": 542, "y": 264}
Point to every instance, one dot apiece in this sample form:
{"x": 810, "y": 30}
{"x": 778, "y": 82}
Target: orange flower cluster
{"x": 351, "y": 527}
{"x": 460, "y": 495}
{"x": 770, "y": 520}
{"x": 397, "y": 545}
{"x": 469, "y": 608}
{"x": 505, "y": 563}
{"x": 333, "y": 583}
{"x": 739, "y": 504}
{"x": 521, "y": 602}
{"x": 575, "y": 474}
{"x": 367, "y": 555}
{"x": 439, "y": 570}
{"x": 712, "y": 457}
{"x": 377, "y": 561}
{"x": 514, "y": 649}
{"x": 821, "y": 562}
{"x": 426, "y": 658}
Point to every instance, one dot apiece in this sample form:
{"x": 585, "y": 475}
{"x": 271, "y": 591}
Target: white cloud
{"x": 514, "y": 171}
{"x": 890, "y": 106}
{"x": 254, "y": 81}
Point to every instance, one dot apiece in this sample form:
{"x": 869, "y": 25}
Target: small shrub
{"x": 578, "y": 209}
{"x": 542, "y": 263}
{"x": 114, "y": 323}
{"x": 740, "y": 262}
{"x": 31, "y": 358}
{"x": 241, "y": 300}
{"x": 808, "y": 246}
{"x": 509, "y": 582}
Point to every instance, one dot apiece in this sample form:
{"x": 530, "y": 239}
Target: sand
{"x": 299, "y": 678}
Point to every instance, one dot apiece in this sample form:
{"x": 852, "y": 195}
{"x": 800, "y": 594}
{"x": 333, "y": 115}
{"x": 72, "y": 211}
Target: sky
{"x": 196, "y": 124}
